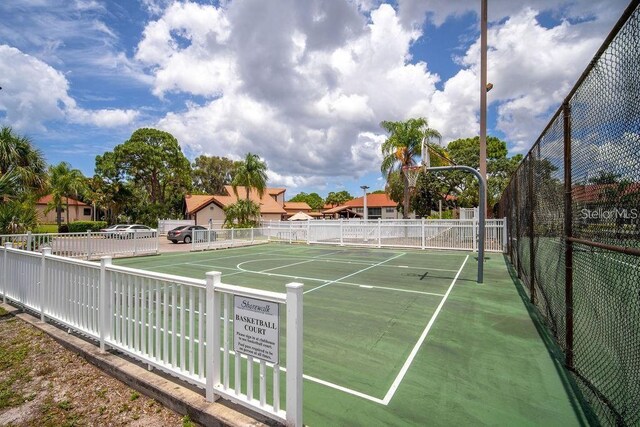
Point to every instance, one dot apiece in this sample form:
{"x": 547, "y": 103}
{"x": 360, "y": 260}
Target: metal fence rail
{"x": 162, "y": 320}
{"x": 573, "y": 209}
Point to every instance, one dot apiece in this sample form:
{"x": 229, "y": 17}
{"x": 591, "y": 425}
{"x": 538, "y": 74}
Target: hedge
{"x": 82, "y": 226}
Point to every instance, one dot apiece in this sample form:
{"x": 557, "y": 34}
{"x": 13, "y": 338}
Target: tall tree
{"x": 250, "y": 173}
{"x": 466, "y": 151}
{"x": 211, "y": 173}
{"x": 23, "y": 162}
{"x": 64, "y": 182}
{"x": 313, "y": 200}
{"x": 338, "y": 198}
{"x": 111, "y": 191}
{"x": 242, "y": 214}
{"x": 151, "y": 166}
{"x": 403, "y": 147}
{"x": 153, "y": 160}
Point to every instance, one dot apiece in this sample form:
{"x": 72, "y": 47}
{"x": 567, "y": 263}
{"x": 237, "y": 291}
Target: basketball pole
{"x": 483, "y": 97}
{"x": 482, "y": 213}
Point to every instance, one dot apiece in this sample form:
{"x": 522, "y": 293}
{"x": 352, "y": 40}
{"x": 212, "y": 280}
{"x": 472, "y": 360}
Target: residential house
{"x": 78, "y": 211}
{"x": 379, "y": 205}
{"x": 203, "y": 208}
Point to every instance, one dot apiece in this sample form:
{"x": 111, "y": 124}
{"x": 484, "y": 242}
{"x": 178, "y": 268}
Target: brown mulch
{"x": 43, "y": 384}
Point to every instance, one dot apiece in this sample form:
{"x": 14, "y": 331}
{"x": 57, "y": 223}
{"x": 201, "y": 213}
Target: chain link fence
{"x": 573, "y": 210}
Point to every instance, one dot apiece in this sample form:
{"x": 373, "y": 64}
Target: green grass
{"x": 12, "y": 356}
{"x": 482, "y": 362}
{"x": 46, "y": 228}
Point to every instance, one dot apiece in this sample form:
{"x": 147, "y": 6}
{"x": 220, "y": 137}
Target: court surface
{"x": 395, "y": 337}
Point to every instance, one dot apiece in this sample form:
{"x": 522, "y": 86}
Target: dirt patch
{"x": 42, "y": 383}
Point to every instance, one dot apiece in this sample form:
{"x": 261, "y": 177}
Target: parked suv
{"x": 184, "y": 233}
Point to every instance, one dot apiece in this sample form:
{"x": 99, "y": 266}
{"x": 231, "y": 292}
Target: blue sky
{"x": 302, "y": 83}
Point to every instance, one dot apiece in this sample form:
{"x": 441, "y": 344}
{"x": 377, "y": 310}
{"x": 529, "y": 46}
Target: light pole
{"x": 483, "y": 94}
{"x": 366, "y": 212}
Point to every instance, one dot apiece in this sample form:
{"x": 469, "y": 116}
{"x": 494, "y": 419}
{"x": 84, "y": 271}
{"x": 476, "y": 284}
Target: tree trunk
{"x": 59, "y": 215}
{"x": 405, "y": 199}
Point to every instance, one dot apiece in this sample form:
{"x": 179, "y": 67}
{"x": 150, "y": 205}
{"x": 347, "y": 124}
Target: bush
{"x": 64, "y": 228}
{"x": 83, "y": 226}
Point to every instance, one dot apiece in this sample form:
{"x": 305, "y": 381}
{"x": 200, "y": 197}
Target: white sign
{"x": 256, "y": 326}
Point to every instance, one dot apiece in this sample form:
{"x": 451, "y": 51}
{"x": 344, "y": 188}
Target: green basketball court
{"x": 395, "y": 337}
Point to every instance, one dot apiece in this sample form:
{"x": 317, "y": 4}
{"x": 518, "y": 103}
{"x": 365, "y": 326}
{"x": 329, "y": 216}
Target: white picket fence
{"x": 89, "y": 245}
{"x": 420, "y": 234}
{"x": 161, "y": 320}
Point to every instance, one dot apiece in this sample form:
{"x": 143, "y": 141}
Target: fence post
{"x": 43, "y": 281}
{"x": 88, "y": 244}
{"x": 294, "y": 354}
{"x": 135, "y": 242}
{"x": 208, "y": 239}
{"x": 341, "y": 229}
{"x": 379, "y": 232}
{"x": 252, "y": 234}
{"x": 532, "y": 254}
{"x": 423, "y": 238}
{"x": 504, "y": 235}
{"x": 517, "y": 219}
{"x": 474, "y": 231}
{"x": 568, "y": 231}
{"x": 104, "y": 302}
{"x": 308, "y": 231}
{"x": 232, "y": 236}
{"x": 290, "y": 231}
{"x": 29, "y": 241}
{"x": 5, "y": 274}
{"x": 213, "y": 335}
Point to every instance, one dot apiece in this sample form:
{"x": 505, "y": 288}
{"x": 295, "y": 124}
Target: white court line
{"x": 324, "y": 281}
{"x": 212, "y": 259}
{"x": 412, "y": 355}
{"x": 393, "y": 289}
{"x": 317, "y": 380}
{"x": 344, "y": 389}
{"x": 353, "y": 274}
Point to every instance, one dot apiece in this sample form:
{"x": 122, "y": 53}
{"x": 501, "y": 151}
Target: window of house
{"x": 86, "y": 211}
{"x": 390, "y": 210}
{"x": 374, "y": 213}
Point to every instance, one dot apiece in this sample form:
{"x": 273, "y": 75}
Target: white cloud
{"x": 103, "y": 118}
{"x": 306, "y": 101}
{"x": 34, "y": 93}
{"x": 186, "y": 49}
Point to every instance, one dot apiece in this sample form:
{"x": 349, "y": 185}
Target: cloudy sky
{"x": 302, "y": 83}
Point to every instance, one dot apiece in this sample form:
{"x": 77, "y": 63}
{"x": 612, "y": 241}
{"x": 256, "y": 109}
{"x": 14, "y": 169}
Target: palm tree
{"x": 251, "y": 172}
{"x": 64, "y": 182}
{"x": 20, "y": 159}
{"x": 241, "y": 213}
{"x": 402, "y": 147}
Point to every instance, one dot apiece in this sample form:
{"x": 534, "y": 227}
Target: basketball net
{"x": 412, "y": 173}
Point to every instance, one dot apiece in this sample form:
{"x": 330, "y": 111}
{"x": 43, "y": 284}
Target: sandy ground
{"x": 43, "y": 384}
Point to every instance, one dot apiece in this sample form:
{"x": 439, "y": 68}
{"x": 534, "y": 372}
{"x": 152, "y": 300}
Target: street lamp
{"x": 484, "y": 88}
{"x": 366, "y": 212}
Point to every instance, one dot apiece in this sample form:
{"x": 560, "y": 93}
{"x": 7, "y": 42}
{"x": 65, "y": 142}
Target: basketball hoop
{"x": 412, "y": 173}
